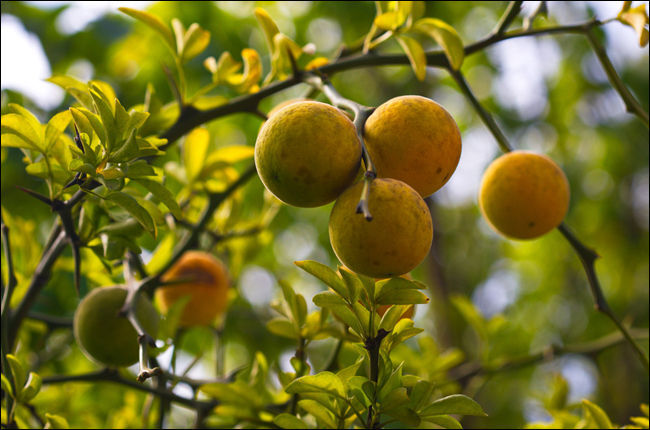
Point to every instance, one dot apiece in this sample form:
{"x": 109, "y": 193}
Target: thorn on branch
{"x": 37, "y": 196}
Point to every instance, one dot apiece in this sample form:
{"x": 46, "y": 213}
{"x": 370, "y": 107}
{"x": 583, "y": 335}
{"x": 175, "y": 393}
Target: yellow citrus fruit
{"x": 105, "y": 336}
{"x": 284, "y": 104}
{"x": 307, "y": 153}
{"x": 394, "y": 242}
{"x": 524, "y": 195}
{"x": 415, "y": 140}
{"x": 207, "y": 286}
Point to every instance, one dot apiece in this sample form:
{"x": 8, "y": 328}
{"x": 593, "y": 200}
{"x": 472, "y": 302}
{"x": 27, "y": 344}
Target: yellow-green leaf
{"x": 446, "y": 36}
{"x": 269, "y": 26}
{"x": 129, "y": 204}
{"x": 598, "y": 416}
{"x": 162, "y": 194}
{"x": 389, "y": 20}
{"x": 252, "y": 71}
{"x": 55, "y": 126}
{"x": 55, "y": 422}
{"x": 153, "y": 22}
{"x": 636, "y": 18}
{"x": 195, "y": 150}
{"x": 14, "y": 124}
{"x": 76, "y": 88}
{"x": 416, "y": 55}
{"x": 195, "y": 41}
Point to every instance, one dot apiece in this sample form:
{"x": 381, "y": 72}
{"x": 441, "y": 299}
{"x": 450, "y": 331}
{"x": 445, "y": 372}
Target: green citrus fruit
{"x": 415, "y": 140}
{"x": 207, "y": 287}
{"x": 397, "y": 238}
{"x": 105, "y": 336}
{"x": 524, "y": 195}
{"x": 307, "y": 153}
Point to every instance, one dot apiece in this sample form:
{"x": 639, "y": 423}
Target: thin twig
{"x": 467, "y": 370}
{"x": 112, "y": 375}
{"x": 632, "y": 105}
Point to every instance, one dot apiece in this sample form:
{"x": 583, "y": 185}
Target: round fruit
{"x": 394, "y": 242}
{"x": 524, "y": 195}
{"x": 284, "y": 104}
{"x": 415, "y": 140}
{"x": 207, "y": 286}
{"x": 307, "y": 153}
{"x": 105, "y": 336}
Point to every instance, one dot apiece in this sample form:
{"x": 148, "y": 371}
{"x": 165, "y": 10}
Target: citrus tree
{"x": 330, "y": 215}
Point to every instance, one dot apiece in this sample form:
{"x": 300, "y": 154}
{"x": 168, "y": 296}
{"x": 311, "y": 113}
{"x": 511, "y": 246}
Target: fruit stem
{"x": 361, "y": 114}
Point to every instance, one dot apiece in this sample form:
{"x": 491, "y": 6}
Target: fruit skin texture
{"x": 307, "y": 153}
{"x": 106, "y": 337}
{"x": 524, "y": 195}
{"x": 208, "y": 289}
{"x": 415, "y": 140}
{"x": 394, "y": 242}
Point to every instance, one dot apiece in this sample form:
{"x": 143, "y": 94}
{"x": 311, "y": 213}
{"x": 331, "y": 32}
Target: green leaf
{"x": 55, "y": 126}
{"x": 420, "y": 393}
{"x": 636, "y": 18}
{"x": 446, "y": 36}
{"x": 74, "y": 87}
{"x": 17, "y": 373}
{"x": 17, "y": 125}
{"x": 323, "y": 382}
{"x": 406, "y": 415}
{"x": 325, "y": 418}
{"x": 152, "y": 21}
{"x": 269, "y": 26}
{"x": 328, "y": 299}
{"x": 163, "y": 194}
{"x": 31, "y": 388}
{"x": 138, "y": 169}
{"x": 195, "y": 150}
{"x": 401, "y": 297}
{"x": 282, "y": 327}
{"x": 129, "y": 204}
{"x": 597, "y": 415}
{"x": 455, "y": 404}
{"x": 326, "y": 275}
{"x": 55, "y": 422}
{"x": 88, "y": 121}
{"x": 106, "y": 115}
{"x": 415, "y": 54}
{"x": 6, "y": 385}
{"x": 195, "y": 41}
{"x": 235, "y": 393}
{"x": 179, "y": 36}
{"x": 352, "y": 282}
{"x": 391, "y": 316}
{"x": 389, "y": 21}
{"x": 127, "y": 152}
{"x": 444, "y": 421}
{"x": 288, "y": 421}
{"x": 470, "y": 314}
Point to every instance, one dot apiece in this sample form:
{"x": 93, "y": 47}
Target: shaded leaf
{"x": 129, "y": 204}
{"x": 282, "y": 327}
{"x": 55, "y": 422}
{"x": 323, "y": 382}
{"x": 152, "y": 21}
{"x": 163, "y": 194}
{"x": 288, "y": 421}
{"x": 444, "y": 421}
{"x": 446, "y": 36}
{"x": 598, "y": 416}
{"x": 325, "y": 274}
{"x": 195, "y": 149}
{"x": 415, "y": 54}
{"x": 454, "y": 404}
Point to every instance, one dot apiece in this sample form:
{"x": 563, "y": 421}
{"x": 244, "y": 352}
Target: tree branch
{"x": 468, "y": 370}
{"x": 112, "y": 375}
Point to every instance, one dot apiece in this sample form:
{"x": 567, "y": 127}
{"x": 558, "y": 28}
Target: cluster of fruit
{"x": 308, "y": 154}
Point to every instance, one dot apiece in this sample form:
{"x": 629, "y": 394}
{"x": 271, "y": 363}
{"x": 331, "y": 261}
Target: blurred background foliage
{"x": 492, "y": 299}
